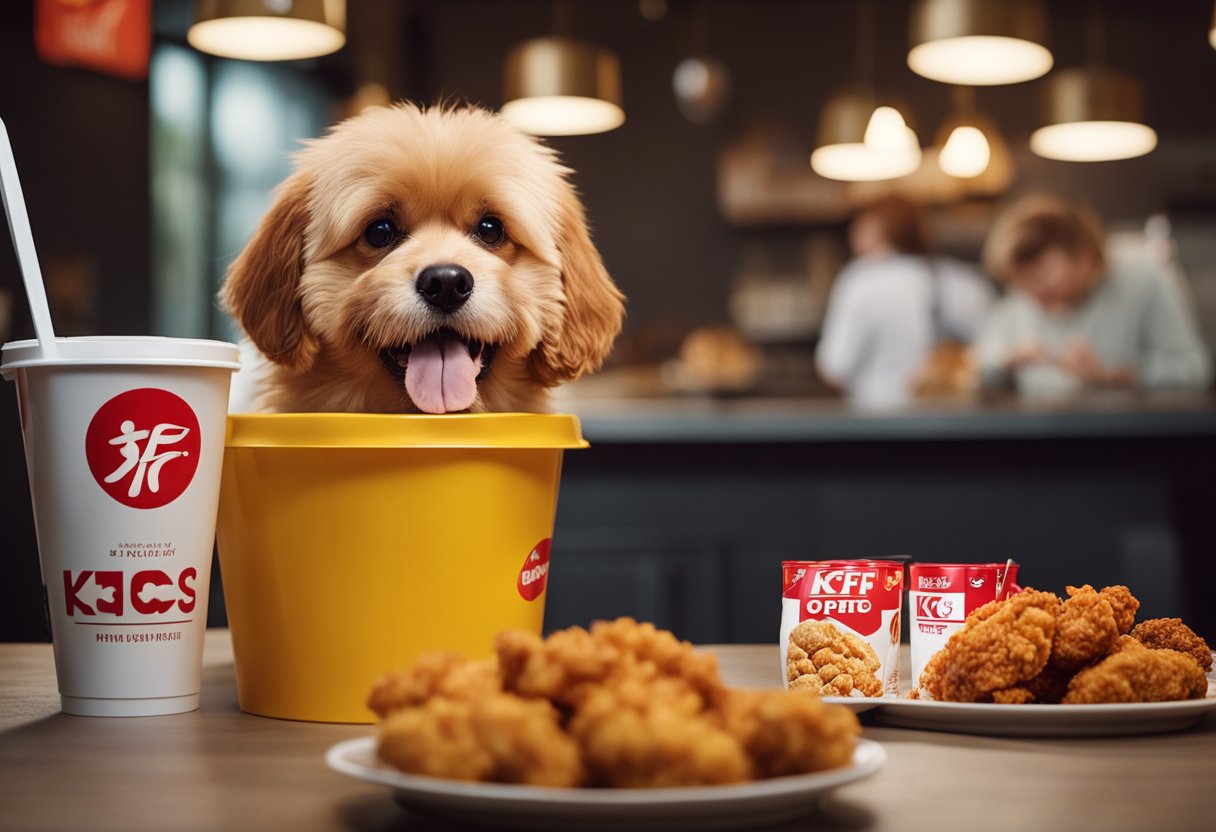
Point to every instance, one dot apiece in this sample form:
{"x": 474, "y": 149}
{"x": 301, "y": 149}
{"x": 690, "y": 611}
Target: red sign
{"x": 111, "y": 36}
{"x": 142, "y": 447}
{"x": 152, "y": 591}
{"x": 534, "y": 574}
{"x": 853, "y": 592}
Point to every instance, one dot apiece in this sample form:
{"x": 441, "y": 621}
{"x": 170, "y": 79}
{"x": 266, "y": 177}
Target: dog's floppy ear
{"x": 593, "y": 306}
{"x": 262, "y": 290}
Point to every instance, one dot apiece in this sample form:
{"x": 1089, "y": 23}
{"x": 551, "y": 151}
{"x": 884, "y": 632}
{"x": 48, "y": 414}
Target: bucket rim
{"x": 559, "y": 431}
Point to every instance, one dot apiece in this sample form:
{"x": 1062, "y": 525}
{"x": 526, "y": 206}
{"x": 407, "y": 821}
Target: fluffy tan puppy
{"x": 423, "y": 260}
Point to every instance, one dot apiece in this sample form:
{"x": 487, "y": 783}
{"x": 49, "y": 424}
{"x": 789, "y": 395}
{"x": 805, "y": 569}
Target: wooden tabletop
{"x": 220, "y": 769}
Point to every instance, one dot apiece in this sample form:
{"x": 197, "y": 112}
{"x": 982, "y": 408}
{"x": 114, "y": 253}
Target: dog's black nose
{"x": 445, "y": 287}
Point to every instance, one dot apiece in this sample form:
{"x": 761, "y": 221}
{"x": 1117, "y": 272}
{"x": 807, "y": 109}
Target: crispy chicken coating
{"x": 1013, "y": 696}
{"x": 822, "y": 659}
{"x": 1085, "y": 629}
{"x": 630, "y": 737}
{"x": 1047, "y": 688}
{"x": 1002, "y": 644}
{"x": 497, "y": 738}
{"x": 1050, "y": 686}
{"x": 570, "y": 663}
{"x": 1172, "y": 634}
{"x": 1124, "y": 605}
{"x": 445, "y": 674}
{"x": 1125, "y": 643}
{"x": 789, "y": 733}
{"x": 1132, "y": 675}
{"x": 622, "y": 705}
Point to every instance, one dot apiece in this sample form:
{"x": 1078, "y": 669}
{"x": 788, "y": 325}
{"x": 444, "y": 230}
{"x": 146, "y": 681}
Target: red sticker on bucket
{"x": 534, "y": 576}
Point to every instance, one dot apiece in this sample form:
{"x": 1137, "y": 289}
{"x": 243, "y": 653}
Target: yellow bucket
{"x": 351, "y": 543}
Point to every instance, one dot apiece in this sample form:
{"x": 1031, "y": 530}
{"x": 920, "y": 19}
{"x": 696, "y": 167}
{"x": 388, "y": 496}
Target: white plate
{"x": 1047, "y": 720}
{"x": 531, "y": 807}
{"x": 857, "y": 704}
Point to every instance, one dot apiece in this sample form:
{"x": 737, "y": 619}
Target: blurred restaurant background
{"x": 718, "y": 447}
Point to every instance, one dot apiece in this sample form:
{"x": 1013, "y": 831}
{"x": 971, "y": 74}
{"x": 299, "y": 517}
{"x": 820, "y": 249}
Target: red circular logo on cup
{"x": 534, "y": 574}
{"x": 143, "y": 446}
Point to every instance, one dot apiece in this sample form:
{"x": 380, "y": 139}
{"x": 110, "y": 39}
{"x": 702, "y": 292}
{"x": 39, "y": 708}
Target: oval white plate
{"x": 1046, "y": 720}
{"x": 531, "y": 807}
{"x": 857, "y": 704}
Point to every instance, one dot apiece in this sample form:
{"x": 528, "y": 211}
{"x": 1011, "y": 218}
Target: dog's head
{"x": 431, "y": 254}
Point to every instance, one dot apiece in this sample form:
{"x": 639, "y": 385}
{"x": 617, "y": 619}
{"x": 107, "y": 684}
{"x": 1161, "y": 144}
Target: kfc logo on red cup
{"x": 939, "y": 607}
{"x": 142, "y": 447}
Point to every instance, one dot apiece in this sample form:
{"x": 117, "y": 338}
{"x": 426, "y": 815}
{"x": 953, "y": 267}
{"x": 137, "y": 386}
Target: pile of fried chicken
{"x": 1034, "y": 647}
{"x": 621, "y": 705}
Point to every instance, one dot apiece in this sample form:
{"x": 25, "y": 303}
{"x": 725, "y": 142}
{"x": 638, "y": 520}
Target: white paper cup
{"x": 124, "y": 443}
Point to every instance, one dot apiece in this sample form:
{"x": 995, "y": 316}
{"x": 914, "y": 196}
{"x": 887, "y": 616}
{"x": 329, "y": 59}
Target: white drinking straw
{"x": 23, "y": 242}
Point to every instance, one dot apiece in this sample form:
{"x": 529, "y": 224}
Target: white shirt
{"x": 879, "y": 329}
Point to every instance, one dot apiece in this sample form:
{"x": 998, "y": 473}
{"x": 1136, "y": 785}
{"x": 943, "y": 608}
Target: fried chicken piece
{"x": 1133, "y": 675}
{"x": 440, "y": 673}
{"x": 658, "y": 653}
{"x": 1047, "y": 688}
{"x": 832, "y": 662}
{"x": 1172, "y": 634}
{"x": 1002, "y": 644}
{"x": 1085, "y": 630}
{"x": 1013, "y": 696}
{"x": 571, "y": 662}
{"x": 1050, "y": 686}
{"x": 497, "y": 738}
{"x": 634, "y": 737}
{"x": 930, "y": 676}
{"x": 788, "y": 733}
{"x": 1124, "y": 605}
{"x": 1125, "y": 643}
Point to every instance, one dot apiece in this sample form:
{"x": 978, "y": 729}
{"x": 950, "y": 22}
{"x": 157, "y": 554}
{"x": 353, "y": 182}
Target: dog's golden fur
{"x": 321, "y": 304}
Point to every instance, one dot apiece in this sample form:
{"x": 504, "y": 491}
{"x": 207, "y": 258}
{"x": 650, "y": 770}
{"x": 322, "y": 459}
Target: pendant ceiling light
{"x": 269, "y": 30}
{"x": 965, "y": 152}
{"x": 971, "y": 147}
{"x": 1092, "y": 115}
{"x": 1212, "y": 31}
{"x": 979, "y": 42}
{"x": 972, "y": 150}
{"x": 558, "y": 86}
{"x": 860, "y": 140}
{"x": 701, "y": 82}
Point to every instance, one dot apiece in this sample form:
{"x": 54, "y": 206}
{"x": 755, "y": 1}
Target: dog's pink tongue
{"x": 440, "y": 376}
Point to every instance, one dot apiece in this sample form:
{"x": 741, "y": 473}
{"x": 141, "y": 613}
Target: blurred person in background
{"x": 1071, "y": 320}
{"x": 892, "y": 305}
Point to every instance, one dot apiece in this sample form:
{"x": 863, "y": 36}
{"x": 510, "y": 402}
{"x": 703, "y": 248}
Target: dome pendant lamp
{"x": 861, "y": 138}
{"x": 979, "y": 42}
{"x": 559, "y": 86}
{"x": 1092, "y": 114}
{"x": 268, "y": 30}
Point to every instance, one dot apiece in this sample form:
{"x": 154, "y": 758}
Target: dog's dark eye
{"x": 490, "y": 231}
{"x": 381, "y": 233}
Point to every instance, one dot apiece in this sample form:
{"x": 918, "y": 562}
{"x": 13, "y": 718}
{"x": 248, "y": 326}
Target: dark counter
{"x": 681, "y": 511}
{"x": 817, "y": 420}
